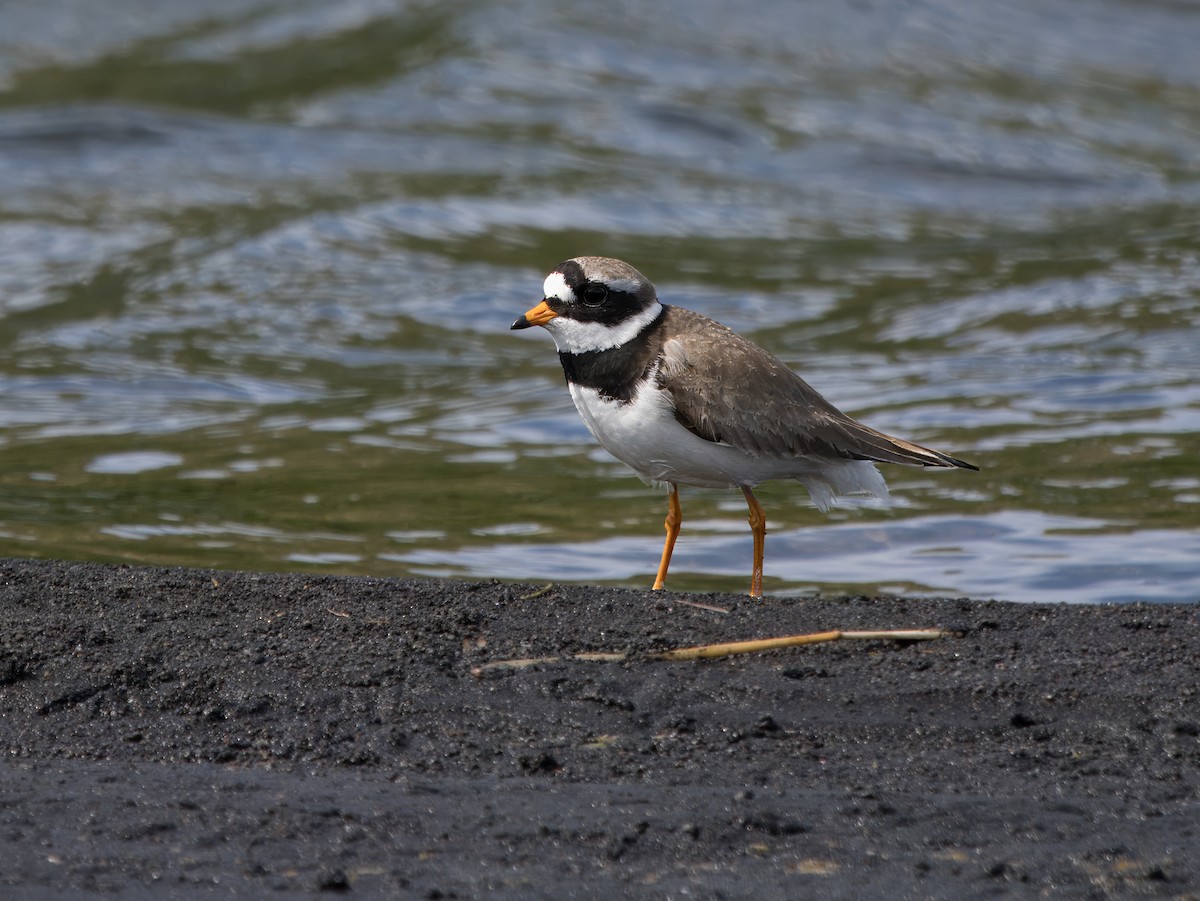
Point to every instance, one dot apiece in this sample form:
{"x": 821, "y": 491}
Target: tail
{"x": 925, "y": 456}
{"x": 864, "y": 443}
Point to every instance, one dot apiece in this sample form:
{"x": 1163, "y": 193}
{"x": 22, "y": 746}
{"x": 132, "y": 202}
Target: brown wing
{"x": 772, "y": 412}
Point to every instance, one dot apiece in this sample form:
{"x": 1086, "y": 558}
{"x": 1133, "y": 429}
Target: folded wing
{"x": 773, "y": 412}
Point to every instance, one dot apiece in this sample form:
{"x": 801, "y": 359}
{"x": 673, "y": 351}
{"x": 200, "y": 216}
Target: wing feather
{"x": 774, "y": 413}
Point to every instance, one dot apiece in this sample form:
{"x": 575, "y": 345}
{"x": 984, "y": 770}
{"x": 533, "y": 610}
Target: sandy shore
{"x": 206, "y": 733}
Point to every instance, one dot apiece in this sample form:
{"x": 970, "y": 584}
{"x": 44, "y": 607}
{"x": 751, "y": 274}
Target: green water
{"x": 258, "y": 263}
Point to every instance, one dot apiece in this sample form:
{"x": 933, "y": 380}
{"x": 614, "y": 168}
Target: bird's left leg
{"x": 758, "y": 526}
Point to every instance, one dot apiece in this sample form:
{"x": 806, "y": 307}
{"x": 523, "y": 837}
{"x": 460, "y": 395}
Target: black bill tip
{"x": 521, "y": 322}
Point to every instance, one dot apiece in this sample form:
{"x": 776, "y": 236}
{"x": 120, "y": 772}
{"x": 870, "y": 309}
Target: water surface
{"x": 258, "y": 263}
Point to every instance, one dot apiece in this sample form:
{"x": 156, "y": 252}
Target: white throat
{"x": 574, "y": 337}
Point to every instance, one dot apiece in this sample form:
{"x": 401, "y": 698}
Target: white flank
{"x": 575, "y": 337}
{"x": 831, "y": 479}
{"x": 645, "y": 436}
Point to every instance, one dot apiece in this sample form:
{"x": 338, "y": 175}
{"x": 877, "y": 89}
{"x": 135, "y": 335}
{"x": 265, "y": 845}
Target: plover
{"x": 681, "y": 399}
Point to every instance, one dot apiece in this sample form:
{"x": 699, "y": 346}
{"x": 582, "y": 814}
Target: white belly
{"x": 645, "y": 436}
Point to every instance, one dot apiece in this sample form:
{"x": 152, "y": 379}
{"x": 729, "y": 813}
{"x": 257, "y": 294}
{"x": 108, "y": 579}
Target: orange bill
{"x": 539, "y": 315}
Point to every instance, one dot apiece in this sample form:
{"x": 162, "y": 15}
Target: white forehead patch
{"x": 556, "y": 286}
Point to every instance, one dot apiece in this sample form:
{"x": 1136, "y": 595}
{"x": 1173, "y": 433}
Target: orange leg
{"x": 674, "y": 520}
{"x": 758, "y": 525}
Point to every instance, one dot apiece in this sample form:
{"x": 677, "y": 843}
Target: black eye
{"x": 594, "y": 295}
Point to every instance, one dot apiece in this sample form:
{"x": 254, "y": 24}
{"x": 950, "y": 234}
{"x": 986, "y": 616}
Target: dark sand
{"x": 188, "y": 732}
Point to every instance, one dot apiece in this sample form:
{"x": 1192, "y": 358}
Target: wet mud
{"x": 233, "y": 734}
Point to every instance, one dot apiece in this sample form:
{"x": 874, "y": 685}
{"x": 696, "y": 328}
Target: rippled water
{"x": 258, "y": 263}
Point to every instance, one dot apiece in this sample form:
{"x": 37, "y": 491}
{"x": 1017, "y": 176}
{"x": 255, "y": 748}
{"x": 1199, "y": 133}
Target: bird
{"x": 683, "y": 400}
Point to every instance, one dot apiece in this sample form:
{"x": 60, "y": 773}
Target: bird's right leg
{"x": 674, "y": 520}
